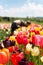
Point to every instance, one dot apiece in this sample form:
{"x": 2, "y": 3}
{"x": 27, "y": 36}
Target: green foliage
{"x": 3, "y": 34}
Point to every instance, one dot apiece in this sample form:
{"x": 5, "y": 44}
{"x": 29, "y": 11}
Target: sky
{"x": 21, "y": 8}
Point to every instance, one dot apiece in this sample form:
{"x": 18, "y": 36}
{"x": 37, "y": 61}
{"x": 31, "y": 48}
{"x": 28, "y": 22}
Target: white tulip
{"x": 28, "y": 47}
{"x": 41, "y": 59}
{"x": 35, "y": 51}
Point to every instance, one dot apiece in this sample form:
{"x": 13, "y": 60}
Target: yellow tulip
{"x": 12, "y": 38}
{"x": 37, "y": 28}
{"x": 41, "y": 32}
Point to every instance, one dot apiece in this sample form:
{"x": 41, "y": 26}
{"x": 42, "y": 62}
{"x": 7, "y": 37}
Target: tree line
{"x": 11, "y": 19}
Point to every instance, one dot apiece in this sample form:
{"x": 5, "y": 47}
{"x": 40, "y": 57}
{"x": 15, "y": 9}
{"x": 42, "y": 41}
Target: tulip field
{"x": 23, "y": 47}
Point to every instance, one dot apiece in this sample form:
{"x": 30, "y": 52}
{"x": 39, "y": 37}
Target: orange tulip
{"x": 4, "y": 56}
{"x": 1, "y": 64}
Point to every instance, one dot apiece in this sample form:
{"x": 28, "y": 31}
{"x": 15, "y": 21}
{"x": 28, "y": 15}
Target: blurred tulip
{"x": 1, "y": 64}
{"x": 28, "y": 47}
{"x": 41, "y": 32}
{"x": 12, "y": 38}
{"x": 41, "y": 59}
{"x": 17, "y": 57}
{"x": 35, "y": 51}
{"x": 30, "y": 63}
{"x": 21, "y": 39}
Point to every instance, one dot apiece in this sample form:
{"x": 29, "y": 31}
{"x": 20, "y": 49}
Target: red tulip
{"x": 37, "y": 40}
{"x": 17, "y": 57}
{"x": 20, "y": 56}
{"x": 10, "y": 49}
{"x": 22, "y": 39}
{"x": 14, "y": 60}
{"x": 30, "y": 63}
{"x": 15, "y": 48}
{"x": 41, "y": 41}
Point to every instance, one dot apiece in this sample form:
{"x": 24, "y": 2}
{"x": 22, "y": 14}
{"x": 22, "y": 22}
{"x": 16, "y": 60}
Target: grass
{"x": 40, "y": 23}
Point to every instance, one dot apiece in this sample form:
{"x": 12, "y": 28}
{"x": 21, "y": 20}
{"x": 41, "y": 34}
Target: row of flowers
{"x": 5, "y": 25}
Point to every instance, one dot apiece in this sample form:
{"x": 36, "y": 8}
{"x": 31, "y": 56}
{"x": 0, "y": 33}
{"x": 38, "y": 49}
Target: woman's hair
{"x": 18, "y": 23}
{"x": 14, "y": 26}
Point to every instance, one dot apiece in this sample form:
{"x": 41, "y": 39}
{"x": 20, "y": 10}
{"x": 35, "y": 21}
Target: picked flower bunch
{"x": 23, "y": 47}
